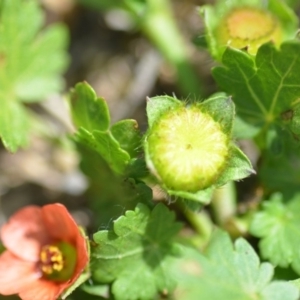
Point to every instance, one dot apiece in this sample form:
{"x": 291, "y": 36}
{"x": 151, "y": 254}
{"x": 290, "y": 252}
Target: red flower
{"x": 45, "y": 253}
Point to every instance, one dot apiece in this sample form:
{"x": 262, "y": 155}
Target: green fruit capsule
{"x": 186, "y": 149}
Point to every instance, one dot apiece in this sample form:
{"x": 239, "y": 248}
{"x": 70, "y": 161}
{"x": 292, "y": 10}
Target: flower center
{"x": 52, "y": 259}
{"x": 250, "y": 24}
{"x": 58, "y": 261}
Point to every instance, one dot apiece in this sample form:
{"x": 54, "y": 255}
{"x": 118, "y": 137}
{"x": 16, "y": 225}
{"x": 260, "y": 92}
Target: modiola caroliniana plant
{"x": 200, "y": 200}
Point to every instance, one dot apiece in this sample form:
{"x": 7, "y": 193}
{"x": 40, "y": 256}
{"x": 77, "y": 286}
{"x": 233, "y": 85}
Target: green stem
{"x": 200, "y": 221}
{"x": 224, "y": 203}
{"x": 159, "y": 25}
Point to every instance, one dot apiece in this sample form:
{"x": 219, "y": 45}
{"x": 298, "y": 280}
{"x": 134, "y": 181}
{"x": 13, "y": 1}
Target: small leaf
{"x": 135, "y": 255}
{"x": 127, "y": 133}
{"x": 106, "y": 146}
{"x": 228, "y": 272}
{"x": 278, "y": 227}
{"x": 88, "y": 111}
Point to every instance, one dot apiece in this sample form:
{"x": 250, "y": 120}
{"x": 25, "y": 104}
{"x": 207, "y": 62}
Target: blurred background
{"x": 111, "y": 49}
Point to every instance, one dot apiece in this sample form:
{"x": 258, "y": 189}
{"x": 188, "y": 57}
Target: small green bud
{"x": 187, "y": 149}
{"x": 246, "y": 25}
{"x": 249, "y": 28}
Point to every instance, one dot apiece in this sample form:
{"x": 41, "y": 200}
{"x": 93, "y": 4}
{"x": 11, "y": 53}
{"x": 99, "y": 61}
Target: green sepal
{"x": 221, "y": 108}
{"x": 127, "y": 133}
{"x": 88, "y": 111}
{"x": 157, "y": 106}
{"x": 81, "y": 279}
{"x": 105, "y": 145}
{"x": 96, "y": 290}
{"x": 203, "y": 196}
{"x": 2, "y": 248}
{"x": 238, "y": 167}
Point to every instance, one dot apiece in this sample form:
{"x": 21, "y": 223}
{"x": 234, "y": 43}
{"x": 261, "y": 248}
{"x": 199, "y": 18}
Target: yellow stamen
{"x": 51, "y": 259}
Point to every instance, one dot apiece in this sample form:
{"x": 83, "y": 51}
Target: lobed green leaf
{"x": 88, "y": 111}
{"x": 264, "y": 88}
{"x": 277, "y": 225}
{"x": 127, "y": 133}
{"x": 105, "y": 145}
{"x": 228, "y": 271}
{"x": 136, "y": 254}
{"x": 31, "y": 63}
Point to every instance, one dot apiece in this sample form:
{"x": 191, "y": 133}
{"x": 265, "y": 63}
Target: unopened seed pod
{"x": 187, "y": 149}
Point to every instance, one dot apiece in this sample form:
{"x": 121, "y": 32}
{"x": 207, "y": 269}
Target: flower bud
{"x": 248, "y": 28}
{"x": 246, "y": 25}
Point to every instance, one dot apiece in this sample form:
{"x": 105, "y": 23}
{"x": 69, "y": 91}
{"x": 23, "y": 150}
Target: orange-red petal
{"x": 41, "y": 290}
{"x": 82, "y": 255}
{"x": 16, "y": 274}
{"x": 60, "y": 224}
{"x": 25, "y": 233}
{"x": 82, "y": 259}
{"x": 63, "y": 227}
